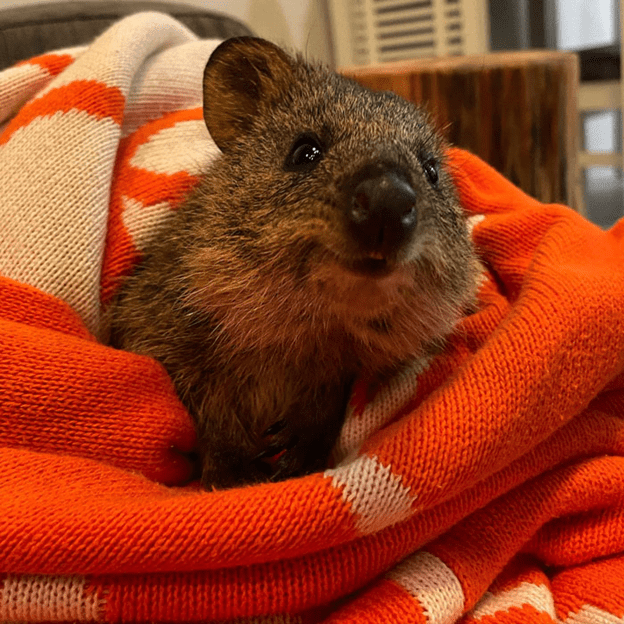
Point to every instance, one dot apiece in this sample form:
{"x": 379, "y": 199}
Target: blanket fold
{"x": 484, "y": 485}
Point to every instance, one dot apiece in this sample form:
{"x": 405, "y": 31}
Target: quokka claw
{"x": 276, "y": 427}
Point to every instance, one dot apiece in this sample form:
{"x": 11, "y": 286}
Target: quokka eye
{"x": 431, "y": 167}
{"x": 305, "y": 153}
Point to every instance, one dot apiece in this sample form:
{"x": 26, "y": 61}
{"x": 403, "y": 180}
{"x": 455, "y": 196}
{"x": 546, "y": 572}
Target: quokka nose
{"x": 382, "y": 214}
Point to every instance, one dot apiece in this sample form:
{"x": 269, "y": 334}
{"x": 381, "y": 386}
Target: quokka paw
{"x": 280, "y": 456}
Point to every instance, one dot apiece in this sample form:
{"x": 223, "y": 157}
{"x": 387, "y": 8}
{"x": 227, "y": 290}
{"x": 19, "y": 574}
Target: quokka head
{"x": 335, "y": 208}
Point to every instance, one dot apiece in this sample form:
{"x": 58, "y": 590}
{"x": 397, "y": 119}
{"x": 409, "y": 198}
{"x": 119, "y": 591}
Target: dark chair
{"x": 34, "y": 29}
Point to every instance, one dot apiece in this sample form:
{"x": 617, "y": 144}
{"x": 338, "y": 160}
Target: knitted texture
{"x": 485, "y": 485}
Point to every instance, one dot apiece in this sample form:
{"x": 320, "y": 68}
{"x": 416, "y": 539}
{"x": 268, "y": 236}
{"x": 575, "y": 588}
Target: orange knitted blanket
{"x": 486, "y": 485}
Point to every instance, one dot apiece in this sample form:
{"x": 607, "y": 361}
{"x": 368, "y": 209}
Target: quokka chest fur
{"x": 326, "y": 241}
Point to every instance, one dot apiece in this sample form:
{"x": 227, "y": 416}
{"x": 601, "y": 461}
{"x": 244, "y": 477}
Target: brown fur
{"x": 250, "y": 296}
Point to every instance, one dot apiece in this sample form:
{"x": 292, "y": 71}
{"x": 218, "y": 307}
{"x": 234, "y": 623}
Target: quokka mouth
{"x": 373, "y": 266}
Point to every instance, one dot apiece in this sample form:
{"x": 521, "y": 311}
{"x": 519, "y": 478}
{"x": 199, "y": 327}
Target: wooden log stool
{"x": 515, "y": 110}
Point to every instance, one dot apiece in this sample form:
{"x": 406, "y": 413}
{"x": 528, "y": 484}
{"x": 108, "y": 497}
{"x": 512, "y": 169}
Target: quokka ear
{"x": 242, "y": 77}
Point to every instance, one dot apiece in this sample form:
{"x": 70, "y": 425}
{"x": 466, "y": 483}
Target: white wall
{"x": 585, "y": 23}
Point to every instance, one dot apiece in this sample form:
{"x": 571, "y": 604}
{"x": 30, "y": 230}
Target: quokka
{"x": 326, "y": 241}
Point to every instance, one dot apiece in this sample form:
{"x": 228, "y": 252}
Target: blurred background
{"x": 567, "y": 146}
